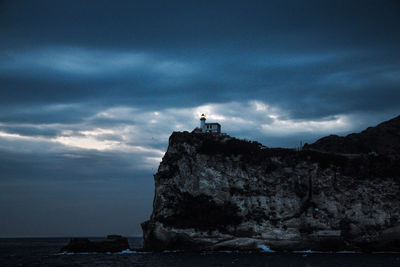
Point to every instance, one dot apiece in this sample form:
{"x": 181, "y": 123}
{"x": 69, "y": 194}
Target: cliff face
{"x": 215, "y": 192}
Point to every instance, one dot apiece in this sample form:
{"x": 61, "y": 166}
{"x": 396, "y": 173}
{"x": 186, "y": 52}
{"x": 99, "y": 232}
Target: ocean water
{"x": 45, "y": 252}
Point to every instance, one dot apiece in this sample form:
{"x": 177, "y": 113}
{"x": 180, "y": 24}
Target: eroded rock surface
{"x": 215, "y": 192}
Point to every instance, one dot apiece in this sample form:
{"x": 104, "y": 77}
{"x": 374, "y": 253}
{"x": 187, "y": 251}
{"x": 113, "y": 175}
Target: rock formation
{"x": 113, "y": 243}
{"x": 215, "y": 192}
{"x": 383, "y": 139}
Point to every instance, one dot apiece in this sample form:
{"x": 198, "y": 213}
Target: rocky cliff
{"x": 383, "y": 139}
{"x": 215, "y": 192}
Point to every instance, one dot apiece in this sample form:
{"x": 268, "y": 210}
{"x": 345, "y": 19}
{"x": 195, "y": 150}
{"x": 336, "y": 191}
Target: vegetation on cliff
{"x": 362, "y": 165}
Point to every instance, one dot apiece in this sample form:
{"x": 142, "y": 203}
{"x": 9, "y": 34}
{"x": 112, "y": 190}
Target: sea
{"x": 45, "y": 252}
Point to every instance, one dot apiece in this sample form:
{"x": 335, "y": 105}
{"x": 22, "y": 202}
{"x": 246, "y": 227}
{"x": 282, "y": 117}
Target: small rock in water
{"x": 113, "y": 243}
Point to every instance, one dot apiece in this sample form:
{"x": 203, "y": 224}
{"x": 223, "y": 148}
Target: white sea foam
{"x": 305, "y": 251}
{"x": 127, "y": 251}
{"x": 265, "y": 248}
{"x": 75, "y": 253}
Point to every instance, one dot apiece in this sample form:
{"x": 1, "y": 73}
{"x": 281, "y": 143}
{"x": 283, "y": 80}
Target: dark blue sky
{"x": 91, "y": 90}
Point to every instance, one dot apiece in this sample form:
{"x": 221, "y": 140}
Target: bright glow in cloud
{"x": 85, "y": 142}
{"x": 264, "y": 119}
{"x": 288, "y": 127}
{"x": 145, "y": 132}
{"x": 12, "y": 136}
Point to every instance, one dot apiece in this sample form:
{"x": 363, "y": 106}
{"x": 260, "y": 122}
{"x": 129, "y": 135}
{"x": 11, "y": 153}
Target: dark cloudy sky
{"x": 91, "y": 90}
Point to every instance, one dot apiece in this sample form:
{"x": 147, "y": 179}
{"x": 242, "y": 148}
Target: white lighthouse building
{"x": 203, "y": 123}
{"x": 213, "y": 127}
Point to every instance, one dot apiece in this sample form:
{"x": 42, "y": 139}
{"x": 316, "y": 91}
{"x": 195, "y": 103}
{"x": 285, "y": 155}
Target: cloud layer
{"x": 90, "y": 92}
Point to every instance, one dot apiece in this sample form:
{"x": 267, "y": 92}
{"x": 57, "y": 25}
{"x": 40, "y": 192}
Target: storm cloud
{"x": 91, "y": 90}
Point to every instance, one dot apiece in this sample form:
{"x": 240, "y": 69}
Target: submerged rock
{"x": 215, "y": 192}
{"x": 113, "y": 243}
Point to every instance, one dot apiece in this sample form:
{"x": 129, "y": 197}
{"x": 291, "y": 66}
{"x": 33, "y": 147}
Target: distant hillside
{"x": 383, "y": 139}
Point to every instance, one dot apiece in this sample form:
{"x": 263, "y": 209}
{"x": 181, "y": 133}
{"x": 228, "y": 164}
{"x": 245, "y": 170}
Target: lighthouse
{"x": 203, "y": 123}
{"x": 213, "y": 127}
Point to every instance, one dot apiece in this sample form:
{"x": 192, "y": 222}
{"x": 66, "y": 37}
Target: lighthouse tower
{"x": 203, "y": 123}
{"x": 213, "y": 127}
